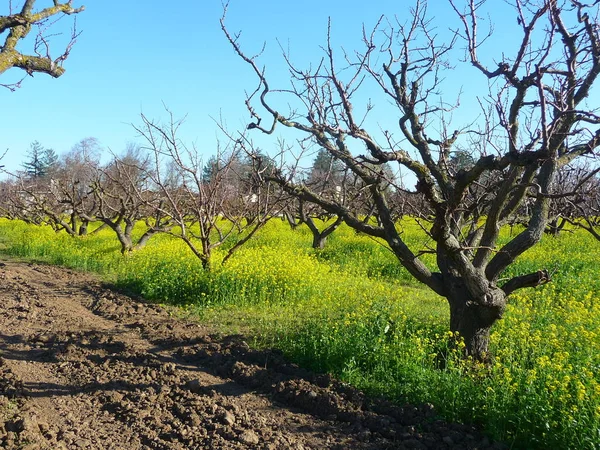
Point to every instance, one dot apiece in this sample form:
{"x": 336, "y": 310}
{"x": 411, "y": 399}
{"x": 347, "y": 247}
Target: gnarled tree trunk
{"x": 469, "y": 202}
{"x": 472, "y": 319}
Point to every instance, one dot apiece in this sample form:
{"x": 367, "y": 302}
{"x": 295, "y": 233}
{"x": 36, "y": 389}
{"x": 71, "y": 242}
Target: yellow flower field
{"x": 351, "y": 310}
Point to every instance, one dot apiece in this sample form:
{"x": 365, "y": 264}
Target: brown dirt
{"x": 84, "y": 367}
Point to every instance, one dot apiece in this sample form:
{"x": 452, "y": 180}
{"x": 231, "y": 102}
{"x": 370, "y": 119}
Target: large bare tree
{"x": 17, "y": 25}
{"x": 535, "y": 118}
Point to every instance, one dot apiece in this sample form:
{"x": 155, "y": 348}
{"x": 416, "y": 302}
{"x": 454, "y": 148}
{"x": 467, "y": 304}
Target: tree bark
{"x": 555, "y": 226}
{"x": 124, "y": 240}
{"x": 465, "y": 320}
{"x": 319, "y": 241}
{"x": 472, "y": 318}
{"x": 124, "y": 236}
{"x": 291, "y": 220}
{"x": 83, "y": 228}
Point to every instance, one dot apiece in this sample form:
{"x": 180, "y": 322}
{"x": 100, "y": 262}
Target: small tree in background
{"x": 35, "y": 165}
{"x": 50, "y": 161}
{"x": 124, "y": 196}
{"x": 208, "y": 203}
{"x": 328, "y": 177}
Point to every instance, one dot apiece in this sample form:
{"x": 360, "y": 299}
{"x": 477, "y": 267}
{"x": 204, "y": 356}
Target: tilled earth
{"x": 84, "y": 367}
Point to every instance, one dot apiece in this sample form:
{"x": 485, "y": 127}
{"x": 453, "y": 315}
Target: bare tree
{"x": 16, "y": 203}
{"x": 37, "y": 201}
{"x": 581, "y": 210}
{"x": 27, "y": 196}
{"x": 308, "y": 214}
{"x": 6, "y": 195}
{"x": 81, "y": 191}
{"x": 124, "y": 197}
{"x": 17, "y": 25}
{"x": 590, "y": 220}
{"x": 71, "y": 186}
{"x": 328, "y": 177}
{"x": 210, "y": 205}
{"x": 535, "y": 120}
{"x": 574, "y": 192}
{"x": 60, "y": 194}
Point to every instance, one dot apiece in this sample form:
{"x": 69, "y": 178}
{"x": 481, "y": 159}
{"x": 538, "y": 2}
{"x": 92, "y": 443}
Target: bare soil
{"x": 84, "y": 367}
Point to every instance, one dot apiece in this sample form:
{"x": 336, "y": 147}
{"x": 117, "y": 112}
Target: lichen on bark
{"x": 19, "y": 25}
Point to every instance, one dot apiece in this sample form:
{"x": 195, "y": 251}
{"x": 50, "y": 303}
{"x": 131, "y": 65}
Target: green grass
{"x": 353, "y": 311}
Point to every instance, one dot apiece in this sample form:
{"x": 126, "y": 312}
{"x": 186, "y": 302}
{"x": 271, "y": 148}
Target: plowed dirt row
{"x": 83, "y": 367}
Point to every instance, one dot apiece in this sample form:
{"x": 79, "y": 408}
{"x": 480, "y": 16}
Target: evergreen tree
{"x": 461, "y": 160}
{"x": 35, "y": 166}
{"x": 326, "y": 168}
{"x": 41, "y": 161}
{"x": 210, "y": 169}
{"x": 50, "y": 161}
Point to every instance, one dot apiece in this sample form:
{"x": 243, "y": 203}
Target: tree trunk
{"x": 320, "y": 237}
{"x": 319, "y": 241}
{"x": 473, "y": 318}
{"x": 122, "y": 236}
{"x": 465, "y": 321}
{"x": 74, "y": 222}
{"x": 83, "y": 228}
{"x": 291, "y": 220}
{"x": 205, "y": 260}
{"x": 126, "y": 244}
{"x": 555, "y": 226}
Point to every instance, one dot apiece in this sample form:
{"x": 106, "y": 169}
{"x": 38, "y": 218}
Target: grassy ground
{"x": 351, "y": 310}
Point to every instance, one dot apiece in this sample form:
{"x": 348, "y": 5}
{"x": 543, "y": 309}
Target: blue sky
{"x": 133, "y": 56}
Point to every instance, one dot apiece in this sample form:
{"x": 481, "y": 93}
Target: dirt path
{"x": 82, "y": 367}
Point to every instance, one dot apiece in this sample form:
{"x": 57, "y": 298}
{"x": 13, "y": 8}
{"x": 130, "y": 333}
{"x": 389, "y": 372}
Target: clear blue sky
{"x": 133, "y": 56}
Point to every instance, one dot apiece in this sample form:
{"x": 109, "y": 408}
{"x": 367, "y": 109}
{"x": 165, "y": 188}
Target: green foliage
{"x": 351, "y": 310}
{"x": 462, "y": 160}
{"x": 326, "y": 167}
{"x": 41, "y": 161}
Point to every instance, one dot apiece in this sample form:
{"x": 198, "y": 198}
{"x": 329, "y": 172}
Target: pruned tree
{"x": 534, "y": 119}
{"x": 235, "y": 172}
{"x": 28, "y": 199}
{"x": 13, "y": 203}
{"x": 124, "y": 197}
{"x": 209, "y": 205}
{"x": 590, "y": 211}
{"x": 52, "y": 190}
{"x": 581, "y": 209}
{"x": 563, "y": 205}
{"x": 328, "y": 177}
{"x": 17, "y": 25}
{"x": 71, "y": 186}
{"x": 571, "y": 202}
{"x": 308, "y": 215}
{"x": 6, "y": 189}
{"x": 80, "y": 191}
{"x": 28, "y": 194}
